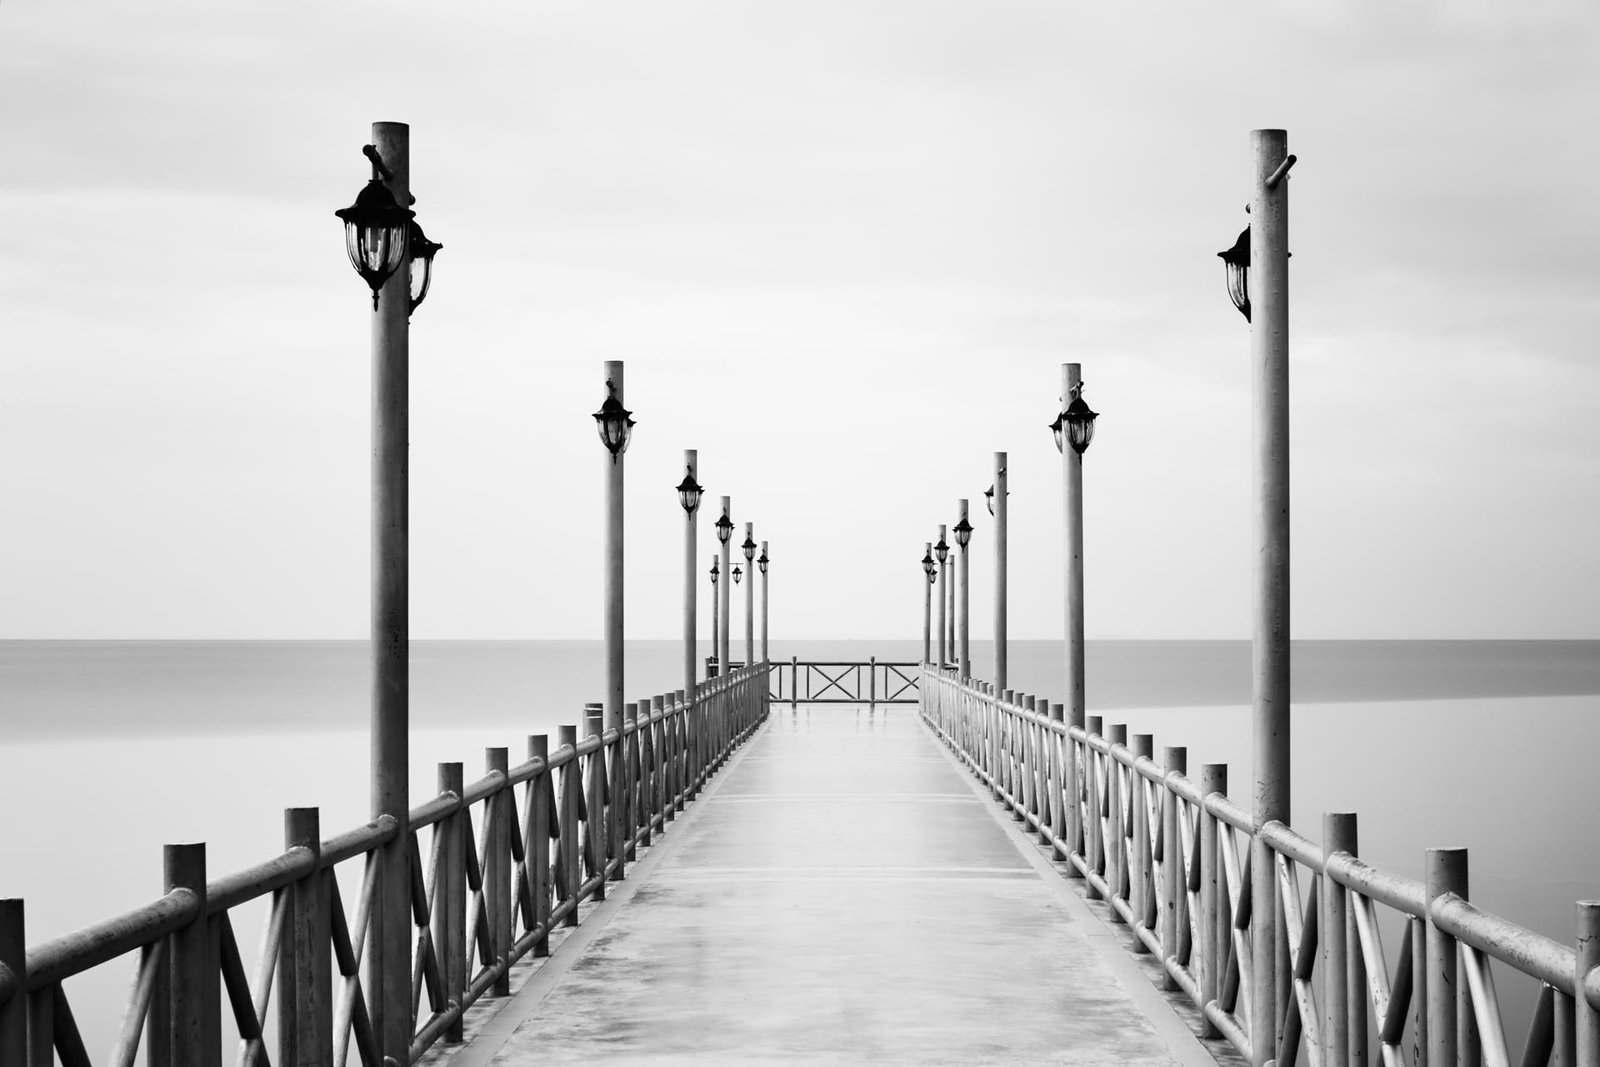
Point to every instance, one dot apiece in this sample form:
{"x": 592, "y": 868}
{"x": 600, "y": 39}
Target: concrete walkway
{"x": 841, "y": 894}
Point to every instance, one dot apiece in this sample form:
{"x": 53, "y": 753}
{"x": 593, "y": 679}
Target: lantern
{"x": 375, "y": 228}
{"x": 1236, "y": 261}
{"x": 615, "y": 423}
{"x": 749, "y": 547}
{"x": 422, "y": 253}
{"x": 963, "y": 532}
{"x": 762, "y": 561}
{"x": 1075, "y": 425}
{"x": 737, "y": 572}
{"x": 988, "y": 499}
{"x": 714, "y": 572}
{"x": 928, "y": 566}
{"x": 724, "y": 528}
{"x": 941, "y": 550}
{"x": 689, "y": 492}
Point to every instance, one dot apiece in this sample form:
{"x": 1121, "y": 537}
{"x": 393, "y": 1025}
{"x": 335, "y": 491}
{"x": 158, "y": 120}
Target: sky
{"x": 843, "y": 249}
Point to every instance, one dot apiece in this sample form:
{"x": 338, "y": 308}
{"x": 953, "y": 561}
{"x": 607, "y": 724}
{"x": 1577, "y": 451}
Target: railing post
{"x": 1141, "y": 884}
{"x": 794, "y": 683}
{"x": 1585, "y": 1017}
{"x": 13, "y": 977}
{"x": 1215, "y": 924}
{"x": 637, "y": 814}
{"x": 1094, "y": 774}
{"x": 305, "y": 966}
{"x": 595, "y": 798}
{"x": 538, "y": 851}
{"x": 1116, "y": 845}
{"x": 1174, "y": 760}
{"x": 571, "y": 803}
{"x": 872, "y": 683}
{"x": 1338, "y": 1016}
{"x": 497, "y": 866}
{"x": 193, "y": 966}
{"x": 1060, "y": 793}
{"x": 1446, "y": 872}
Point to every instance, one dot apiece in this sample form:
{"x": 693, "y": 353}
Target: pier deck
{"x": 842, "y": 893}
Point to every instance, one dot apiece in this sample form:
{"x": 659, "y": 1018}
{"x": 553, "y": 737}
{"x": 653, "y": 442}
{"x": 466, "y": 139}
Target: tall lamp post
{"x": 963, "y": 532}
{"x": 761, "y": 562}
{"x": 615, "y": 424}
{"x": 724, "y": 532}
{"x": 689, "y": 493}
{"x": 716, "y": 617}
{"x": 1073, "y": 429}
{"x": 927, "y": 601}
{"x": 996, "y": 497}
{"x": 1258, "y": 265}
{"x": 749, "y": 547}
{"x": 941, "y": 552}
{"x": 388, "y": 250}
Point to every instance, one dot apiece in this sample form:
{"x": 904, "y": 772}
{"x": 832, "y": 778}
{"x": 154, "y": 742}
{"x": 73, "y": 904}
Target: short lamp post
{"x": 1072, "y": 430}
{"x": 615, "y": 425}
{"x": 941, "y": 552}
{"x": 998, "y": 501}
{"x": 716, "y": 619}
{"x": 963, "y": 532}
{"x": 749, "y": 547}
{"x": 761, "y": 563}
{"x": 689, "y": 493}
{"x": 724, "y": 534}
{"x": 928, "y": 571}
{"x": 388, "y": 250}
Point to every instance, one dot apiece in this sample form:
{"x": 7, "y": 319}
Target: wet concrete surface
{"x": 842, "y": 895}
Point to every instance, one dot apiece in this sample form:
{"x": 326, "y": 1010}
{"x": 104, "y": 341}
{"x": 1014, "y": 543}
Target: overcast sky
{"x": 844, "y": 249}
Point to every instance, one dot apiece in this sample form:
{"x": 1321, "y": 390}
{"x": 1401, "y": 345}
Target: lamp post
{"x": 761, "y": 562}
{"x": 927, "y": 601}
{"x": 749, "y": 547}
{"x": 724, "y": 534}
{"x": 941, "y": 552}
{"x": 381, "y": 238}
{"x": 615, "y": 424}
{"x": 997, "y": 495}
{"x": 963, "y": 532}
{"x": 1073, "y": 429}
{"x": 716, "y": 617}
{"x": 689, "y": 492}
{"x": 1258, "y": 263}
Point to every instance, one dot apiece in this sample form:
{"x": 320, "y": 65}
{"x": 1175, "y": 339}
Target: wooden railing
{"x": 552, "y": 831}
{"x": 870, "y": 682}
{"x": 1172, "y": 856}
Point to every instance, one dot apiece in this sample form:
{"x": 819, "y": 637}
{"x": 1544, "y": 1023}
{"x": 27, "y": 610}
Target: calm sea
{"x": 112, "y": 748}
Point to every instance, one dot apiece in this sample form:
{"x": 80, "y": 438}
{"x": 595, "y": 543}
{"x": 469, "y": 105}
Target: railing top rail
{"x": 99, "y": 942}
{"x": 1522, "y": 949}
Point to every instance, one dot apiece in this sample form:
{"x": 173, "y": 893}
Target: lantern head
{"x": 941, "y": 550}
{"x": 761, "y": 561}
{"x": 1236, "y": 261}
{"x": 749, "y": 547}
{"x": 689, "y": 492}
{"x": 1078, "y": 421}
{"x": 422, "y": 253}
{"x": 615, "y": 423}
{"x": 724, "y": 528}
{"x": 928, "y": 565}
{"x": 375, "y": 228}
{"x": 714, "y": 572}
{"x": 988, "y": 499}
{"x": 963, "y": 532}
{"x": 737, "y": 573}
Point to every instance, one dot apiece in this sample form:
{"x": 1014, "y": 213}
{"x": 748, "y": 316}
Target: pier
{"x": 775, "y": 869}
